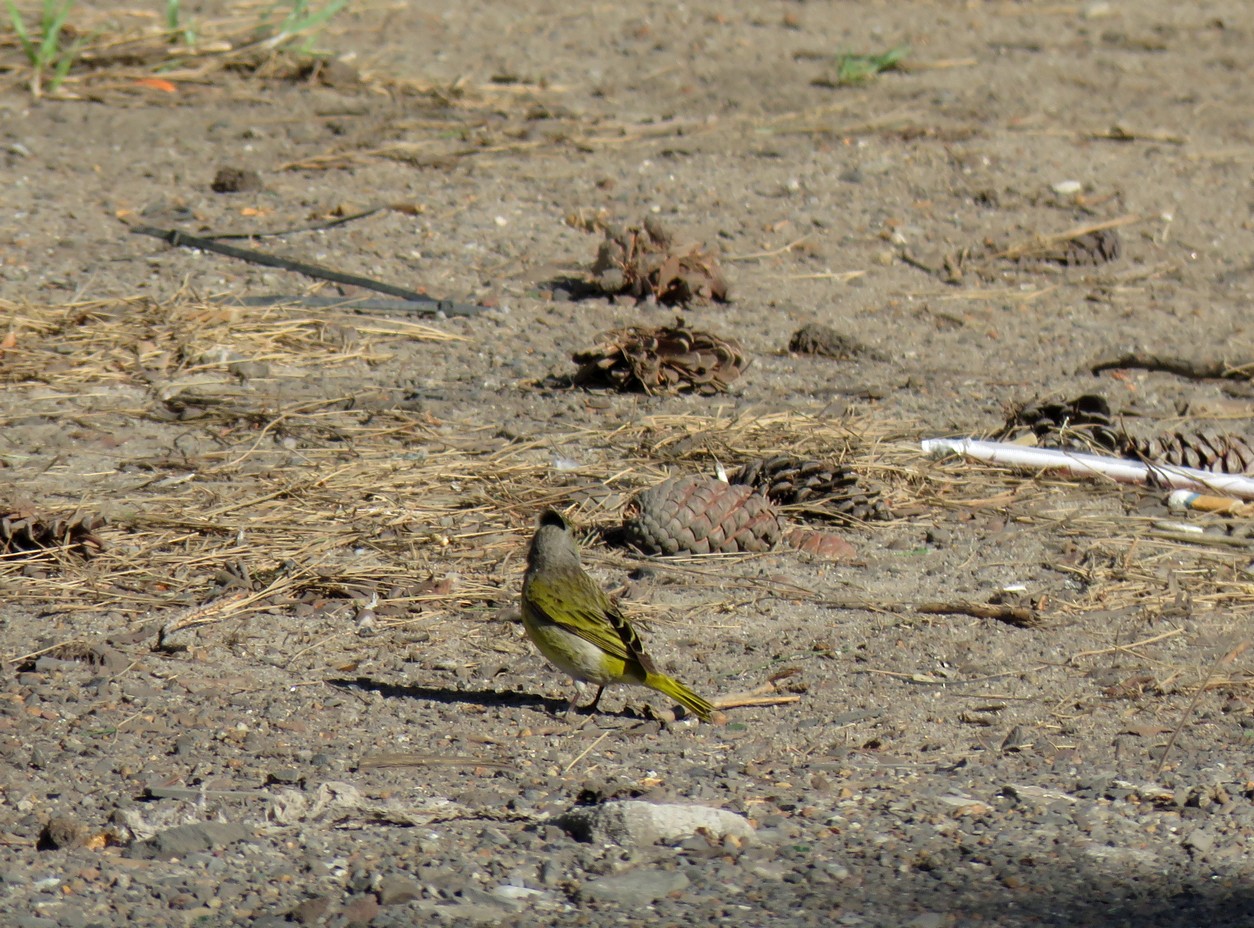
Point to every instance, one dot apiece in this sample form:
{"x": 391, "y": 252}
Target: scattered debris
{"x": 669, "y": 359}
{"x": 1083, "y": 423}
{"x": 850, "y": 69}
{"x": 826, "y": 545}
{"x": 1201, "y": 502}
{"x": 647, "y": 264}
{"x": 1089, "y": 245}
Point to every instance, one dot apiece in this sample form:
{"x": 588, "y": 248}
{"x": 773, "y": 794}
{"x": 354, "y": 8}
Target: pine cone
{"x": 700, "y": 515}
{"x": 24, "y": 532}
{"x": 1202, "y": 449}
{"x": 821, "y": 544}
{"x": 1092, "y": 248}
{"x": 646, "y": 263}
{"x": 669, "y": 359}
{"x": 1081, "y": 424}
{"x": 824, "y": 488}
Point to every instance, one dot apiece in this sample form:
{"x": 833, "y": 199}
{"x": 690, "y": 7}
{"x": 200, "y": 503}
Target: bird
{"x": 576, "y": 626}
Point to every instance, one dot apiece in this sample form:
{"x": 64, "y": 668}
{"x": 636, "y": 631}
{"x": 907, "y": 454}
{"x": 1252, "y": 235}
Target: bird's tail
{"x": 681, "y": 694}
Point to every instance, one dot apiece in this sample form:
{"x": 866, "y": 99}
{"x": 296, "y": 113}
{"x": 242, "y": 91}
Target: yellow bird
{"x": 574, "y": 624}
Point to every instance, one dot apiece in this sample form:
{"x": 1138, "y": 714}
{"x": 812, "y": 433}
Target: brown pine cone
{"x": 700, "y": 515}
{"x": 822, "y": 487}
{"x": 1202, "y": 449}
{"x": 24, "y": 531}
{"x": 647, "y": 263}
{"x": 669, "y": 359}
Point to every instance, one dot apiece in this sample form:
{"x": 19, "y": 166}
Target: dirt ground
{"x": 204, "y": 723}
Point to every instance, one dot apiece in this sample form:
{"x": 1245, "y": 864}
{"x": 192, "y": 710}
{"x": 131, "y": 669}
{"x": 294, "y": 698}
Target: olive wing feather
{"x": 596, "y": 620}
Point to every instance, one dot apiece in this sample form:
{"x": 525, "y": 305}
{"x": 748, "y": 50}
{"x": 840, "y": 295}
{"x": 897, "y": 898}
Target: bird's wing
{"x": 599, "y": 622}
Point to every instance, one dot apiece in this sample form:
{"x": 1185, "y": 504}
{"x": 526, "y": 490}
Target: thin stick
{"x": 1126, "y": 647}
{"x": 1018, "y": 251}
{"x": 738, "y": 700}
{"x": 756, "y": 255}
{"x": 427, "y": 760}
{"x": 584, "y": 753}
{"x": 422, "y": 302}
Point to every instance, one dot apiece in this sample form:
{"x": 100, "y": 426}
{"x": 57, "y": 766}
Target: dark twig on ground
{"x": 1200, "y": 368}
{"x": 421, "y": 302}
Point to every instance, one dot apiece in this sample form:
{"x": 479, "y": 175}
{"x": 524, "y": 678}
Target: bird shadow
{"x": 481, "y": 697}
{"x": 576, "y": 289}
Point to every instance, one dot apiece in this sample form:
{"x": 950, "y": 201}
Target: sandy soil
{"x": 276, "y": 468}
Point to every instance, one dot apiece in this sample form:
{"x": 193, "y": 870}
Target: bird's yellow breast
{"x": 581, "y": 659}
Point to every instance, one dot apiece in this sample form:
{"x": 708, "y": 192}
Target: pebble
{"x": 634, "y": 888}
{"x": 630, "y": 822}
{"x": 1200, "y": 840}
{"x": 396, "y": 889}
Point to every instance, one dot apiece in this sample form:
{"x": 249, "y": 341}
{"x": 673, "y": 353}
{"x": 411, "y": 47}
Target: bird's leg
{"x": 592, "y": 707}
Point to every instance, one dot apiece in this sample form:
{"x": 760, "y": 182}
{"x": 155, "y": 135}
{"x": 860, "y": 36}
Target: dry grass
{"x": 269, "y": 498}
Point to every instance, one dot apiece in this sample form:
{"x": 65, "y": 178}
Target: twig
{"x": 294, "y": 230}
{"x": 188, "y": 792}
{"x": 584, "y": 753}
{"x": 1125, "y": 647}
{"x": 1193, "y": 368}
{"x": 773, "y": 253}
{"x": 424, "y": 303}
{"x": 1019, "y": 616}
{"x": 427, "y": 760}
{"x": 1036, "y": 244}
{"x": 739, "y": 700}
{"x": 1204, "y": 539}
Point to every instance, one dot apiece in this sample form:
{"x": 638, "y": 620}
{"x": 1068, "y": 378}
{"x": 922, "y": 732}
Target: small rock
{"x": 1199, "y": 840}
{"x": 633, "y": 822}
{"x": 235, "y": 180}
{"x": 62, "y": 831}
{"x": 395, "y": 889}
{"x": 512, "y": 894}
{"x": 1028, "y": 793}
{"x": 634, "y": 888}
